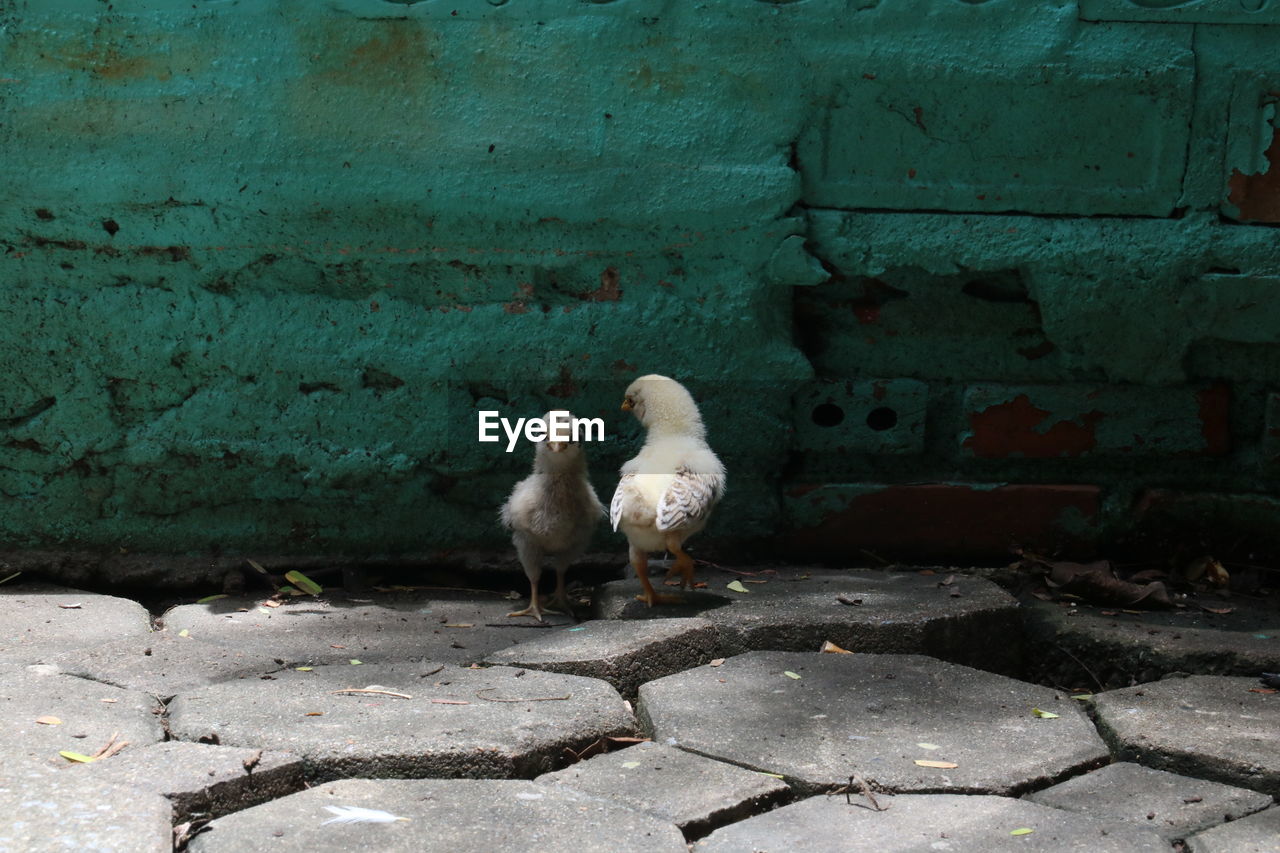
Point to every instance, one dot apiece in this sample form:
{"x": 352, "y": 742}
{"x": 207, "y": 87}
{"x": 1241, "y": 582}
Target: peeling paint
{"x": 1019, "y": 428}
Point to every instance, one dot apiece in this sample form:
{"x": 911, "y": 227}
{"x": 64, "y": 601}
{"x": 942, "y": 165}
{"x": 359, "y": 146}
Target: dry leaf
{"x": 48, "y": 721}
{"x": 929, "y": 746}
{"x": 1267, "y": 690}
{"x": 69, "y": 606}
{"x": 832, "y": 649}
{"x": 1221, "y": 611}
{"x": 789, "y": 674}
{"x": 449, "y": 702}
{"x": 314, "y": 714}
{"x": 1044, "y": 715}
{"x": 75, "y": 756}
{"x": 355, "y": 662}
{"x": 303, "y": 582}
{"x": 717, "y": 662}
{"x": 459, "y": 625}
{"x": 1023, "y": 831}
{"x": 737, "y": 586}
{"x": 184, "y": 633}
{"x": 270, "y": 602}
{"x": 630, "y": 764}
{"x": 940, "y": 765}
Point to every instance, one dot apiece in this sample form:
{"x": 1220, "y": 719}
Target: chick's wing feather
{"x": 690, "y": 497}
{"x": 619, "y": 498}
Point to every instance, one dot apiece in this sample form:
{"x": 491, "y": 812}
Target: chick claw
{"x": 535, "y": 610}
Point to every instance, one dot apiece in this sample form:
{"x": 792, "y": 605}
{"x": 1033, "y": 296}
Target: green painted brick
{"x": 834, "y": 418}
{"x": 1246, "y": 12}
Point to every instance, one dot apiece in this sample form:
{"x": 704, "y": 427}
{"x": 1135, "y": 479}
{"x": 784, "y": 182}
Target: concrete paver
{"x": 1208, "y": 726}
{"x": 453, "y": 627}
{"x": 836, "y": 715}
{"x": 695, "y": 793}
{"x": 458, "y": 722}
{"x": 164, "y": 664}
{"x": 954, "y": 617}
{"x": 87, "y": 714}
{"x": 38, "y": 621}
{"x": 624, "y": 653}
{"x": 46, "y": 808}
{"x": 1171, "y": 805}
{"x": 1258, "y": 833}
{"x": 448, "y": 816}
{"x": 201, "y": 780}
{"x": 912, "y": 823}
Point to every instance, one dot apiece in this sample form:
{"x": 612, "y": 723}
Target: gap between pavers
{"x": 695, "y": 793}
{"x": 1170, "y": 805}
{"x": 1257, "y": 833}
{"x": 496, "y": 722}
{"x": 201, "y": 780}
{"x": 624, "y": 653}
{"x": 818, "y": 719}
{"x": 1208, "y": 726}
{"x": 41, "y": 621}
{"x": 948, "y": 615}
{"x": 443, "y": 816}
{"x": 915, "y": 822}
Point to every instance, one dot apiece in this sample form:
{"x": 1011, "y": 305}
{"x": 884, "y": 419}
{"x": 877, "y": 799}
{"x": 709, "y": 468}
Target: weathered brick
{"x": 1202, "y": 12}
{"x": 1237, "y": 518}
{"x": 1046, "y": 422}
{"x": 940, "y": 520}
{"x": 878, "y": 416}
{"x": 1271, "y": 432}
{"x": 947, "y": 123}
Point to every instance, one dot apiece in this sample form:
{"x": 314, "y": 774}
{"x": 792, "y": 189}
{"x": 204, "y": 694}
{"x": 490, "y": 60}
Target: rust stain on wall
{"x": 1215, "y": 411}
{"x": 1015, "y": 427}
{"x": 1258, "y": 196}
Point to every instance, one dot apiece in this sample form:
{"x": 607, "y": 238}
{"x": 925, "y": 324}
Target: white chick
{"x": 551, "y": 515}
{"x": 668, "y": 490}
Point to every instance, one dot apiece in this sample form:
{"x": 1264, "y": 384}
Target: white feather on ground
{"x": 667, "y": 492}
{"x": 359, "y": 814}
{"x": 552, "y": 514}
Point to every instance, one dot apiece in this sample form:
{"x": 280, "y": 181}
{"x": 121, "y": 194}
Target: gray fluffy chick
{"x": 551, "y": 515}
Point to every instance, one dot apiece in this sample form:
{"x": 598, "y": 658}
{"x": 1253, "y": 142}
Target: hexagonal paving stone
{"x": 955, "y": 617}
{"x": 38, "y": 621}
{"x": 1259, "y": 833}
{"x": 200, "y": 779}
{"x": 1123, "y": 647}
{"x": 624, "y": 653}
{"x": 452, "y": 626}
{"x": 89, "y": 714}
{"x": 47, "y": 808}
{"x": 498, "y": 722}
{"x": 695, "y": 793}
{"x": 1210, "y": 726}
{"x": 448, "y": 816}
{"x": 912, "y": 823}
{"x": 1168, "y": 804}
{"x": 164, "y": 664}
{"x": 870, "y": 714}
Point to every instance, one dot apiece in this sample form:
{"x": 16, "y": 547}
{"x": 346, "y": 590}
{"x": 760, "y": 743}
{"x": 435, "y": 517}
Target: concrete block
{"x": 695, "y": 793}
{"x": 201, "y": 780}
{"x": 41, "y": 620}
{"x": 939, "y": 521}
{"x": 165, "y": 664}
{"x": 836, "y": 418}
{"x": 860, "y": 610}
{"x": 817, "y": 718}
{"x": 944, "y": 124}
{"x": 1208, "y": 726}
{"x": 913, "y": 822}
{"x": 1254, "y": 12}
{"x": 1254, "y": 834}
{"x": 625, "y": 654}
{"x": 1170, "y": 805}
{"x": 1049, "y": 422}
{"x": 441, "y": 816}
{"x": 90, "y": 713}
{"x": 48, "y": 809}
{"x": 458, "y": 722}
{"x": 443, "y": 625}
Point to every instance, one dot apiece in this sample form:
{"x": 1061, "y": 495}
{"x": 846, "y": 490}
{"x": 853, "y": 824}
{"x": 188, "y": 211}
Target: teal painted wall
{"x": 263, "y": 261}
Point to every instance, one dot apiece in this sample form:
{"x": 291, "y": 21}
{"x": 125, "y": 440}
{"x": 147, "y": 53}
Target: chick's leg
{"x": 683, "y": 565}
{"x": 640, "y": 562}
{"x": 531, "y": 560}
{"x": 561, "y": 597}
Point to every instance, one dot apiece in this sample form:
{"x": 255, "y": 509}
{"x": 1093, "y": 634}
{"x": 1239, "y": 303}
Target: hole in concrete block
{"x": 882, "y": 419}
{"x": 828, "y": 415}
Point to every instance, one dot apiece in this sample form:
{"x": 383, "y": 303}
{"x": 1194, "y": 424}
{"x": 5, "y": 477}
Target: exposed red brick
{"x": 566, "y": 387}
{"x": 1008, "y": 428}
{"x": 609, "y": 290}
{"x": 1258, "y": 196}
{"x": 1215, "y": 419}
{"x": 952, "y": 522}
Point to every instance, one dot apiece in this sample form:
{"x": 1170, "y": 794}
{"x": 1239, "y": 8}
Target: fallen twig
{"x": 534, "y": 699}
{"x": 111, "y": 748}
{"x": 1101, "y": 687}
{"x": 363, "y": 690}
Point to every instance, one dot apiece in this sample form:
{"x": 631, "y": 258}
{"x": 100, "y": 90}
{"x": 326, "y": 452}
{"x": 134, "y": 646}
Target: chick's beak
{"x": 627, "y": 405}
{"x": 556, "y": 446}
